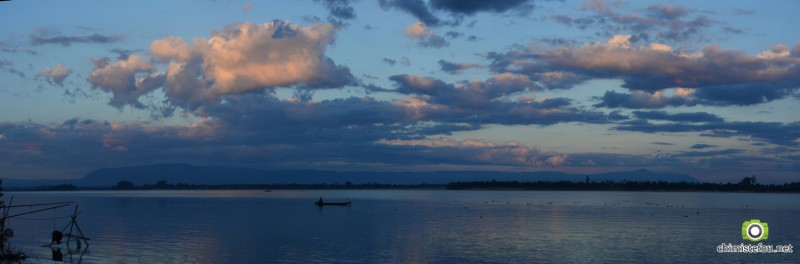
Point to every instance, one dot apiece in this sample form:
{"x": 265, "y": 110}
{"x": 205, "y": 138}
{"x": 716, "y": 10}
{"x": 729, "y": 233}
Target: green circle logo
{"x": 755, "y": 230}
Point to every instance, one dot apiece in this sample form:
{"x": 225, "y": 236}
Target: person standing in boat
{"x": 320, "y": 200}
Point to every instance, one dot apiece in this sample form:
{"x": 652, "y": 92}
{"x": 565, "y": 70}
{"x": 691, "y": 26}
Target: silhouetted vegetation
{"x": 124, "y": 185}
{"x": 163, "y": 185}
{"x": 8, "y": 253}
{"x": 747, "y": 184}
{"x": 12, "y": 255}
{"x": 59, "y": 187}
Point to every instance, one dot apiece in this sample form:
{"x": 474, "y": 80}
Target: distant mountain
{"x": 184, "y": 173}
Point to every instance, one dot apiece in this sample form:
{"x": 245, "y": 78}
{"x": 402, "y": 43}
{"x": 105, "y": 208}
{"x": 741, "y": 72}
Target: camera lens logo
{"x": 754, "y": 230}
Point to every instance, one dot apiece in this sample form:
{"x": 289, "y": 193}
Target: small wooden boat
{"x": 339, "y": 204}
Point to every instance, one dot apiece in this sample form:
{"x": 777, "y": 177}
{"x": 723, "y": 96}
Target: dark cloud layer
{"x": 263, "y": 130}
{"x": 469, "y": 7}
{"x": 340, "y": 10}
{"x": 702, "y": 146}
{"x": 454, "y": 68}
{"x": 457, "y": 9}
{"x": 726, "y": 152}
{"x": 479, "y": 102}
{"x": 777, "y": 133}
{"x": 698, "y": 117}
{"x": 417, "y": 8}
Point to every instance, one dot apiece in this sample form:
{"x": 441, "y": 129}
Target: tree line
{"x": 747, "y": 184}
{"x": 164, "y": 185}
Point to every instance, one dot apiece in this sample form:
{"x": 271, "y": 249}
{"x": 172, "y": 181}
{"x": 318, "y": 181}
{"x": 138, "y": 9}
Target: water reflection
{"x": 413, "y": 226}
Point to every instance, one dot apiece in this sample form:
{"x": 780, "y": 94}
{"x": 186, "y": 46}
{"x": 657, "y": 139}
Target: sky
{"x": 705, "y": 88}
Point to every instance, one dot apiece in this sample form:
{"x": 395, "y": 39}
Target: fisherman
{"x": 320, "y": 200}
{"x": 57, "y": 236}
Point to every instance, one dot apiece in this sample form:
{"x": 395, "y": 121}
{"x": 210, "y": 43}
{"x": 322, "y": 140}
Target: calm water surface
{"x": 409, "y": 226}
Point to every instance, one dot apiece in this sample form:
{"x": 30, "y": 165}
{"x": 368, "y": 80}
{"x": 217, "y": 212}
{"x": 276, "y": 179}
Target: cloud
{"x": 126, "y": 80}
{"x": 249, "y": 57}
{"x": 662, "y": 143}
{"x": 262, "y": 130}
{"x": 457, "y": 10}
{"x": 453, "y": 34}
{"x": 304, "y": 121}
{"x": 470, "y": 7}
{"x": 170, "y": 48}
{"x": 44, "y": 37}
{"x": 656, "y": 22}
{"x": 389, "y": 61}
{"x": 511, "y": 153}
{"x": 743, "y": 12}
{"x": 89, "y": 144}
{"x": 417, "y": 8}
{"x": 557, "y": 42}
{"x": 666, "y": 12}
{"x": 472, "y": 151}
{"x": 486, "y": 102}
{"x": 465, "y": 94}
{"x": 273, "y": 139}
{"x": 242, "y": 58}
{"x": 7, "y": 65}
{"x": 9, "y": 49}
{"x": 247, "y": 7}
{"x": 617, "y": 116}
{"x": 123, "y": 54}
{"x": 259, "y": 130}
{"x": 405, "y": 61}
{"x": 698, "y": 117}
{"x": 702, "y": 146}
{"x": 725, "y": 152}
{"x": 455, "y": 68}
{"x": 642, "y": 99}
{"x": 696, "y": 78}
{"x": 339, "y": 10}
{"x": 425, "y": 36}
{"x": 786, "y": 134}
{"x": 55, "y": 75}
{"x": 417, "y": 30}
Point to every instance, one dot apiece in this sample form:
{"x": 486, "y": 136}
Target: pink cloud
{"x": 55, "y": 75}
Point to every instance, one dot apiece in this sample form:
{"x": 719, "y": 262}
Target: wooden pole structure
{"x": 74, "y": 224}
{"x": 35, "y": 211}
{"x": 3, "y": 224}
